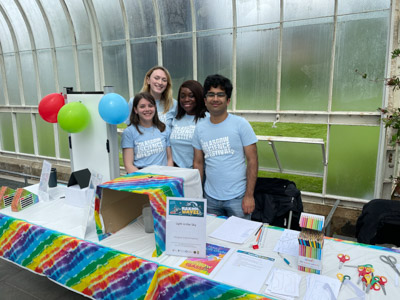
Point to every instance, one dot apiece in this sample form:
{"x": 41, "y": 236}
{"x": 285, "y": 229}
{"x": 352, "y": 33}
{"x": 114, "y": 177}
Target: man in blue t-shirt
{"x": 222, "y": 144}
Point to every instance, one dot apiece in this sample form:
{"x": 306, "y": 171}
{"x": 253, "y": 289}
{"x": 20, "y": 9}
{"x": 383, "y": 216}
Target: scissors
{"x": 391, "y": 261}
{"x": 342, "y": 259}
{"x": 374, "y": 281}
{"x": 382, "y": 282}
{"x": 342, "y": 278}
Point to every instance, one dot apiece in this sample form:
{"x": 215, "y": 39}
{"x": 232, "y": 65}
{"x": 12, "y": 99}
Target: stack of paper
{"x": 288, "y": 243}
{"x": 283, "y": 284}
{"x": 236, "y": 230}
{"x": 322, "y": 287}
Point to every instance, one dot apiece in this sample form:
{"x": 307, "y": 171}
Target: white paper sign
{"x": 186, "y": 227}
{"x": 44, "y": 182}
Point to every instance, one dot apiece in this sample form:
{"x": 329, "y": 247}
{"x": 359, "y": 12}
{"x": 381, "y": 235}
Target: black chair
{"x": 278, "y": 203}
{"x": 379, "y": 223}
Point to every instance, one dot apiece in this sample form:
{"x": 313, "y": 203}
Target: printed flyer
{"x": 209, "y": 265}
{"x": 186, "y": 227}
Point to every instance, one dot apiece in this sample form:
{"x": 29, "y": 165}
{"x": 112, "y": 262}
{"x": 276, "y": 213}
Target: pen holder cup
{"x": 53, "y": 178}
{"x": 148, "y": 218}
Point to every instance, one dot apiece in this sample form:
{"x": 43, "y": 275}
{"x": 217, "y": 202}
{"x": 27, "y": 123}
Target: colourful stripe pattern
{"x": 157, "y": 187}
{"x": 170, "y": 284}
{"x": 101, "y": 272}
{"x": 96, "y": 271}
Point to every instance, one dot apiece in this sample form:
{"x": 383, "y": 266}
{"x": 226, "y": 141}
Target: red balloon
{"x": 49, "y": 107}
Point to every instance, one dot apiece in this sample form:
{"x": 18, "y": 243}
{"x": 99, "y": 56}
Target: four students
{"x": 216, "y": 143}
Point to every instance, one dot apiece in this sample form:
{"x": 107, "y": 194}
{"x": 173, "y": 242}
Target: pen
{"x": 285, "y": 260}
{"x": 259, "y": 229}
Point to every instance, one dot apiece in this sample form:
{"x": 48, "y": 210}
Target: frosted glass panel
{"x": 256, "y": 82}
{"x": 58, "y": 22}
{"x": 63, "y": 143}
{"x": 18, "y": 23}
{"x": 214, "y": 54}
{"x": 300, "y": 157}
{"x": 5, "y": 37}
{"x": 2, "y": 95}
{"x": 25, "y": 136}
{"x": 65, "y": 67}
{"x": 46, "y": 72}
{"x": 36, "y": 22}
{"x": 175, "y": 16}
{"x": 80, "y": 21}
{"x": 179, "y": 62}
{"x": 355, "y": 6}
{"x": 140, "y": 18}
{"x": 144, "y": 56}
{"x": 29, "y": 78}
{"x": 306, "y": 58}
{"x": 86, "y": 73}
{"x": 213, "y": 14}
{"x": 12, "y": 79}
{"x": 45, "y": 137}
{"x": 361, "y": 44}
{"x": 352, "y": 161}
{"x": 266, "y": 158}
{"x": 115, "y": 69}
{"x": 110, "y": 20}
{"x": 306, "y": 9}
{"x": 257, "y": 12}
{"x": 7, "y": 136}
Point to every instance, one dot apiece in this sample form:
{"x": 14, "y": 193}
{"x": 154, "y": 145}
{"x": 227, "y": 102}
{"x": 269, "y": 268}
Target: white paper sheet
{"x": 283, "y": 282}
{"x": 185, "y": 231}
{"x": 288, "y": 243}
{"x": 236, "y": 230}
{"x": 245, "y": 270}
{"x": 318, "y": 287}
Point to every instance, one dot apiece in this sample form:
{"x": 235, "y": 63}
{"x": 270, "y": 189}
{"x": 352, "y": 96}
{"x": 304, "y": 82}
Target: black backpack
{"x": 274, "y": 199}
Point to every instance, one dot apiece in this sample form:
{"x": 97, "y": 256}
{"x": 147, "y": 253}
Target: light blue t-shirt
{"x": 165, "y": 118}
{"x": 224, "y": 157}
{"x": 149, "y": 148}
{"x": 181, "y": 140}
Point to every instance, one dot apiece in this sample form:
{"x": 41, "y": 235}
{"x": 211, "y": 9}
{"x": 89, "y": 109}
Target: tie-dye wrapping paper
{"x": 157, "y": 187}
{"x": 101, "y": 272}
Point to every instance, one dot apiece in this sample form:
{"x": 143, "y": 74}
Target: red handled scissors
{"x": 374, "y": 281}
{"x": 382, "y": 282}
{"x": 342, "y": 259}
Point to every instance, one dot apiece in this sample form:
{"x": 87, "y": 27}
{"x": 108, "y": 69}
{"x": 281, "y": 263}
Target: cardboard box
{"x": 120, "y": 201}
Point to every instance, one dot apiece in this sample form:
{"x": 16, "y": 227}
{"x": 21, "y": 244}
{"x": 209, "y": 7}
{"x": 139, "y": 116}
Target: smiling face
{"x": 158, "y": 82}
{"x": 145, "y": 110}
{"x": 216, "y": 101}
{"x": 187, "y": 100}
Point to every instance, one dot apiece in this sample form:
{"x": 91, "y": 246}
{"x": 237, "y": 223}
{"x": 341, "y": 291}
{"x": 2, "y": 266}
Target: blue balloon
{"x": 113, "y": 108}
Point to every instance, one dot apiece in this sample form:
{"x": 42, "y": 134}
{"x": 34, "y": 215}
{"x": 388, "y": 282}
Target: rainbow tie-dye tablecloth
{"x": 101, "y": 272}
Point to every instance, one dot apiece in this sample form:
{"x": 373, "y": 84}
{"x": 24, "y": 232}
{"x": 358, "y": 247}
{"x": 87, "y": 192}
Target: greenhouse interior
{"x": 316, "y": 79}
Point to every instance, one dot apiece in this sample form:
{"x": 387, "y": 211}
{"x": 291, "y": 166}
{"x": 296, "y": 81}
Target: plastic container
{"x": 147, "y": 219}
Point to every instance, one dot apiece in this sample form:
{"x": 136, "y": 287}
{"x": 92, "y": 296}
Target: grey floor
{"x": 17, "y": 283}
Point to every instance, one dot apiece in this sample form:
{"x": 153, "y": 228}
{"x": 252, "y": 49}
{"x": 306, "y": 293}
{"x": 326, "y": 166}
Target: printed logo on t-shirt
{"x": 148, "y": 148}
{"x": 183, "y": 132}
{"x": 217, "y": 147}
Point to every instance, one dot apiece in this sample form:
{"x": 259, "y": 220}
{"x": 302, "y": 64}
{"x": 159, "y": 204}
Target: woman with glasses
{"x": 191, "y": 110}
{"x": 157, "y": 82}
{"x": 145, "y": 141}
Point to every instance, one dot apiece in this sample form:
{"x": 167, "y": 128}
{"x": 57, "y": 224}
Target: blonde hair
{"x": 167, "y": 94}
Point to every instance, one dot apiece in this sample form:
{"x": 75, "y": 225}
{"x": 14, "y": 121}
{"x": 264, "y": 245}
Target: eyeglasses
{"x": 219, "y": 95}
